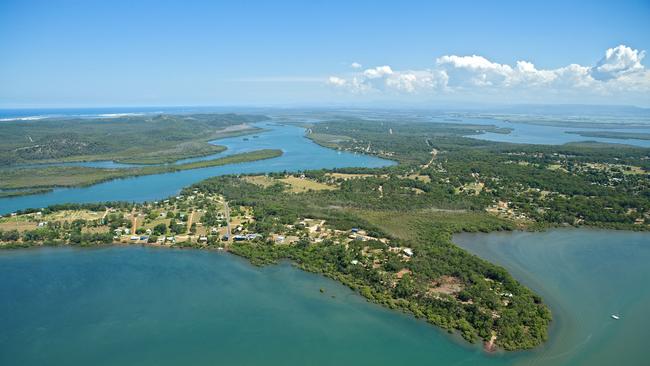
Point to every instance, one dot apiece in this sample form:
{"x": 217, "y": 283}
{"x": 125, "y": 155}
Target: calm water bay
{"x": 145, "y": 306}
{"x": 585, "y": 276}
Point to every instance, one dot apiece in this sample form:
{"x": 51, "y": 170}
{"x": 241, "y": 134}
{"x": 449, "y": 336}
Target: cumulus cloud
{"x": 378, "y": 72}
{"x": 473, "y": 70}
{"x": 356, "y": 65}
{"x": 621, "y": 69}
{"x": 336, "y": 81}
{"x": 617, "y": 62}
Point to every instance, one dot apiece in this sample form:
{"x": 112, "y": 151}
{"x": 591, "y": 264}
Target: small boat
{"x": 614, "y": 316}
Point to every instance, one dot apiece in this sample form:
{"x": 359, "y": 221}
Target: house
{"x": 42, "y": 224}
{"x": 203, "y": 238}
{"x": 355, "y": 230}
{"x": 148, "y": 231}
{"x": 118, "y": 231}
{"x": 279, "y": 239}
{"x": 245, "y": 237}
{"x": 407, "y": 251}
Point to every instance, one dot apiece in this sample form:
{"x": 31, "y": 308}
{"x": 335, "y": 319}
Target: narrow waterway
{"x": 299, "y": 153}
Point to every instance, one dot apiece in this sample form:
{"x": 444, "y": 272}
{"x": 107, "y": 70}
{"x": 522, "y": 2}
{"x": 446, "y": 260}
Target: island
{"x": 617, "y": 135}
{"x": 38, "y": 155}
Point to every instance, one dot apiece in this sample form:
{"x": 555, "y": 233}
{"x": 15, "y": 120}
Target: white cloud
{"x": 618, "y": 61}
{"x": 620, "y": 71}
{"x": 356, "y": 65}
{"x": 473, "y": 70}
{"x": 336, "y": 81}
{"x": 377, "y": 72}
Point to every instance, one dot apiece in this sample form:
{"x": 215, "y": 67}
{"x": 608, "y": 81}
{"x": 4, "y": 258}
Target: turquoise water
{"x": 300, "y": 153}
{"x": 145, "y": 306}
{"x": 585, "y": 276}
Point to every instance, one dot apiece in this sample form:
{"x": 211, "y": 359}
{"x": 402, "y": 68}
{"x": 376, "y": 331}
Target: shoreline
{"x": 452, "y": 336}
{"x": 245, "y": 157}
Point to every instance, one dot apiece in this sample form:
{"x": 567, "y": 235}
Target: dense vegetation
{"x": 68, "y": 176}
{"x": 479, "y": 310}
{"x": 581, "y": 183}
{"x": 137, "y": 139}
{"x": 614, "y": 134}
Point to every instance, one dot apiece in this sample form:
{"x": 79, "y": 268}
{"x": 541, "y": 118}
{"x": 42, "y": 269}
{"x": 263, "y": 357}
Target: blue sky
{"x": 118, "y": 53}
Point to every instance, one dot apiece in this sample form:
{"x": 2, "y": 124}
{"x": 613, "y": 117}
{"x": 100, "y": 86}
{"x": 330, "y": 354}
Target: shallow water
{"x": 585, "y": 276}
{"x": 144, "y": 306}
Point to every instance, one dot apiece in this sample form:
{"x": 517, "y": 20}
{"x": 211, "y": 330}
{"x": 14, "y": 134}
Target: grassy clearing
{"x": 299, "y": 185}
{"x": 295, "y": 184}
{"x": 472, "y": 188}
{"x": 345, "y": 176}
{"x": 420, "y": 177}
{"x": 17, "y": 225}
{"x": 556, "y": 167}
{"x": 327, "y": 140}
{"x": 260, "y": 180}
{"x": 404, "y": 225}
{"x": 71, "y": 215}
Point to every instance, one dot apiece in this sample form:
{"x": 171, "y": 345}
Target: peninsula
{"x": 385, "y": 232}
